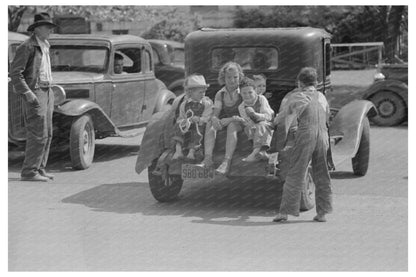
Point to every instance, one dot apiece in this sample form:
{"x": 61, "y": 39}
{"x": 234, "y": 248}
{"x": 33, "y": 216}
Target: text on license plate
{"x": 191, "y": 171}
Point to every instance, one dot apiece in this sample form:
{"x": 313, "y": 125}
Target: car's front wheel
{"x": 391, "y": 108}
{"x": 163, "y": 188}
{"x": 82, "y": 142}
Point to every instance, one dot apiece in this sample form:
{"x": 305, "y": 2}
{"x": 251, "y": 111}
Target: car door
{"x": 128, "y": 87}
{"x": 151, "y": 85}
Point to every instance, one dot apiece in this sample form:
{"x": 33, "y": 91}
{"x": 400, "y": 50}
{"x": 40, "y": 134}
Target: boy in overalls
{"x": 194, "y": 112}
{"x": 310, "y": 109}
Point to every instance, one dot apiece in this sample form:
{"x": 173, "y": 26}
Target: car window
{"x": 148, "y": 65}
{"x": 131, "y": 59}
{"x": 156, "y": 59}
{"x": 250, "y": 58}
{"x": 178, "y": 57}
{"x": 79, "y": 58}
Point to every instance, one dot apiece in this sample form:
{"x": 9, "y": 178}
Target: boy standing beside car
{"x": 32, "y": 78}
{"x": 310, "y": 109}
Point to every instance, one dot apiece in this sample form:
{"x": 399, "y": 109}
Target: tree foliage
{"x": 345, "y": 23}
{"x": 174, "y": 26}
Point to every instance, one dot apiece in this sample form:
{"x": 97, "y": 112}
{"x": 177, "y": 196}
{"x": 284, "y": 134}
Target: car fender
{"x": 347, "y": 128}
{"x": 164, "y": 100}
{"x": 157, "y": 136}
{"x": 395, "y": 86}
{"x": 176, "y": 84}
{"x": 77, "y": 107}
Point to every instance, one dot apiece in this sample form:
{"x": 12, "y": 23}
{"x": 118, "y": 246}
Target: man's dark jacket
{"x": 25, "y": 66}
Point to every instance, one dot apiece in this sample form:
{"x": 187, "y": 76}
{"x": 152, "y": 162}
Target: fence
{"x": 356, "y": 55}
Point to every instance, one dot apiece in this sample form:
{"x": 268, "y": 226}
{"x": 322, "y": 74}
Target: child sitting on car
{"x": 194, "y": 112}
{"x": 256, "y": 114}
{"x": 260, "y": 82}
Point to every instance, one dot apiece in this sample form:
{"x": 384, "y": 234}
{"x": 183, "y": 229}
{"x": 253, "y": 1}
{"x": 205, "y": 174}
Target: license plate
{"x": 194, "y": 172}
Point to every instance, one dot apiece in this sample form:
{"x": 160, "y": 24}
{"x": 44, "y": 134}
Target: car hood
{"x": 76, "y": 77}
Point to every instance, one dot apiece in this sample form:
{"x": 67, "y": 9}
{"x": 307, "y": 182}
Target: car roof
{"x": 113, "y": 39}
{"x": 174, "y": 44}
{"x": 298, "y": 33}
{"x": 17, "y": 36}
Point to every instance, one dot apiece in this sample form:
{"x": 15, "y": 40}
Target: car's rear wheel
{"x": 391, "y": 108}
{"x": 82, "y": 142}
{"x": 164, "y": 189}
{"x": 307, "y": 200}
{"x": 362, "y": 158}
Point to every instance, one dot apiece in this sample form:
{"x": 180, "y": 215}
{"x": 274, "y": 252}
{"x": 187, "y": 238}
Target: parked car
{"x": 169, "y": 59}
{"x": 286, "y": 51}
{"x": 389, "y": 93}
{"x": 99, "y": 103}
{"x": 15, "y": 118}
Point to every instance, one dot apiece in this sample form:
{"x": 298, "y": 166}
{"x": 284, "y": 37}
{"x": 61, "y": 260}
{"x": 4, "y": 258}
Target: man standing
{"x": 309, "y": 108}
{"x": 32, "y": 78}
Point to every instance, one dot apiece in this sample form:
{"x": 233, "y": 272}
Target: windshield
{"x": 79, "y": 58}
{"x": 178, "y": 56}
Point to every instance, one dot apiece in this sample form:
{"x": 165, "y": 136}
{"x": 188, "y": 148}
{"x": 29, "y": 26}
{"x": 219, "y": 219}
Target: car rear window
{"x": 250, "y": 58}
{"x": 79, "y": 58}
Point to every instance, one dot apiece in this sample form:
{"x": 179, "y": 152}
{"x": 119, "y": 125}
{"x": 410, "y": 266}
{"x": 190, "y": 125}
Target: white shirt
{"x": 45, "y": 72}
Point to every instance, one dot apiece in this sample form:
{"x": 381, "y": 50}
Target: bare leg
{"x": 191, "y": 154}
{"x": 209, "y": 144}
{"x": 230, "y": 145}
{"x": 178, "y": 152}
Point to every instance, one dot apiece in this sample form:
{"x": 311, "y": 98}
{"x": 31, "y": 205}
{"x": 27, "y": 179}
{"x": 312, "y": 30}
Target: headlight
{"x": 379, "y": 76}
{"x": 59, "y": 94}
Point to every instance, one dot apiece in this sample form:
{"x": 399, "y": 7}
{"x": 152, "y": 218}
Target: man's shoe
{"x": 224, "y": 167}
{"x": 35, "y": 178}
{"x": 320, "y": 218}
{"x": 43, "y": 173}
{"x": 280, "y": 218}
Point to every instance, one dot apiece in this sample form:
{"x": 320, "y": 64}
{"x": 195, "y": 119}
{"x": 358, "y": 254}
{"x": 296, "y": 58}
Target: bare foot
{"x": 191, "y": 155}
{"x": 177, "y": 155}
{"x": 251, "y": 158}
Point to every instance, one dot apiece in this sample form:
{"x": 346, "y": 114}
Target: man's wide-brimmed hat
{"x": 41, "y": 19}
{"x": 195, "y": 81}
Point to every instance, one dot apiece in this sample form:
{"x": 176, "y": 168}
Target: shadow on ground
{"x": 61, "y": 160}
{"x": 223, "y": 202}
{"x": 343, "y": 175}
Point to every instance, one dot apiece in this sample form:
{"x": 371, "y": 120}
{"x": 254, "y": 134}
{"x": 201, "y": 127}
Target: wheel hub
{"x": 386, "y": 108}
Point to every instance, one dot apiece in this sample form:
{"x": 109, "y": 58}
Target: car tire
{"x": 164, "y": 190}
{"x": 362, "y": 158}
{"x": 307, "y": 201}
{"x": 82, "y": 142}
{"x": 391, "y": 108}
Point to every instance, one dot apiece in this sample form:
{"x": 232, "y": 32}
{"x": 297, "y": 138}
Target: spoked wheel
{"x": 391, "y": 108}
{"x": 82, "y": 142}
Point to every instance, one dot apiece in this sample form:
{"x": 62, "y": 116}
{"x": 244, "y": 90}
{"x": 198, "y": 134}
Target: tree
{"x": 15, "y": 16}
{"x": 345, "y": 23}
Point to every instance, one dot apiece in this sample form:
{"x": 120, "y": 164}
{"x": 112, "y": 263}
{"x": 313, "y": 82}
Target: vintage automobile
{"x": 389, "y": 93}
{"x": 16, "y": 130}
{"x": 169, "y": 59}
{"x": 99, "y": 103}
{"x": 289, "y": 49}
